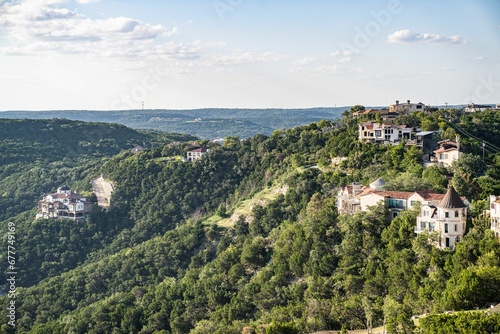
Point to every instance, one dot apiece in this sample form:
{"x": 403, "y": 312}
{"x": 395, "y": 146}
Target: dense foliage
{"x": 461, "y": 323}
{"x": 161, "y": 261}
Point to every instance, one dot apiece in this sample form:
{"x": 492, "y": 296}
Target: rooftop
{"x": 452, "y": 200}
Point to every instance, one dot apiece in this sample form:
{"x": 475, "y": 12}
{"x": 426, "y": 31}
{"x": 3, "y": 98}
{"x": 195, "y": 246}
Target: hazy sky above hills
{"x": 91, "y": 54}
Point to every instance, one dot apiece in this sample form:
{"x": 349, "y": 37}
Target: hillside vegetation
{"x": 159, "y": 262}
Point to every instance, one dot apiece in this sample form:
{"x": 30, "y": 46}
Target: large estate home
{"x": 386, "y": 132}
{"x": 443, "y": 213}
{"x": 406, "y": 108}
{"x": 64, "y": 204}
{"x": 495, "y": 214}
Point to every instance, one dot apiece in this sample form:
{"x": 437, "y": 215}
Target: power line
{"x": 491, "y": 149}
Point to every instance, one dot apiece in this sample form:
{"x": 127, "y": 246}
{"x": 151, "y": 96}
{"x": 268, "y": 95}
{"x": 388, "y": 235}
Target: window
{"x": 431, "y": 226}
{"x": 456, "y": 227}
{"x": 441, "y": 156}
{"x": 447, "y": 215}
{"x": 445, "y": 228}
{"x": 426, "y": 213}
{"x": 456, "y": 214}
{"x": 378, "y": 133}
{"x": 423, "y": 225}
{"x": 387, "y": 137}
{"x": 394, "y": 203}
{"x": 413, "y": 203}
{"x": 394, "y": 214}
{"x": 447, "y": 242}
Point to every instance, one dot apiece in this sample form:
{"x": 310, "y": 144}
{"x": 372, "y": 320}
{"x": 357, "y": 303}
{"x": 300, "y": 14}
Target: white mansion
{"x": 445, "y": 214}
{"x": 64, "y": 204}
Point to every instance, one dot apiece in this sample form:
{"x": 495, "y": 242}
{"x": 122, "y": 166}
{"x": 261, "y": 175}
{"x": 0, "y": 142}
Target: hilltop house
{"x": 196, "y": 154}
{"x": 406, "y": 108}
{"x": 495, "y": 214}
{"x": 447, "y": 218}
{"x": 447, "y": 152}
{"x": 444, "y": 213}
{"x": 475, "y": 107}
{"x": 64, "y": 204}
{"x": 356, "y": 197}
{"x": 371, "y": 113}
{"x": 386, "y": 132}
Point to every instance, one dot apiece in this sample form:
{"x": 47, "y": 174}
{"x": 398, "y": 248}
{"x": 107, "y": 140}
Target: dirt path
{"x": 102, "y": 190}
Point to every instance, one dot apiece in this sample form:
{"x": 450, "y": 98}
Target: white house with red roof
{"x": 442, "y": 213}
{"x": 385, "y": 132}
{"x": 196, "y": 154}
{"x": 447, "y": 152}
{"x": 64, "y": 204}
{"x": 448, "y": 218}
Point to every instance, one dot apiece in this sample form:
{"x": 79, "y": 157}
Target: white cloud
{"x": 240, "y": 57}
{"x": 406, "y": 36}
{"x": 479, "y": 58}
{"x": 87, "y": 1}
{"x": 304, "y": 61}
{"x": 50, "y": 30}
{"x": 343, "y": 56}
{"x": 38, "y": 26}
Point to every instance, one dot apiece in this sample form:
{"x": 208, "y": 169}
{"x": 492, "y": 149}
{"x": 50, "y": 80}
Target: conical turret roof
{"x": 451, "y": 200}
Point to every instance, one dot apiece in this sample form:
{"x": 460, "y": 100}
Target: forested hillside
{"x": 37, "y": 157}
{"x": 161, "y": 261}
{"x": 203, "y": 123}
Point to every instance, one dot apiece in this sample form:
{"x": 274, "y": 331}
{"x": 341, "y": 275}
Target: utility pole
{"x": 483, "y": 151}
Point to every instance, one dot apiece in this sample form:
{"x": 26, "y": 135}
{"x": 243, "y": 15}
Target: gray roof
{"x": 378, "y": 183}
{"x": 452, "y": 200}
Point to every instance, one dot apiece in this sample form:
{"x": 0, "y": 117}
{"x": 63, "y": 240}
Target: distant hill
{"x": 37, "y": 155}
{"x": 203, "y": 123}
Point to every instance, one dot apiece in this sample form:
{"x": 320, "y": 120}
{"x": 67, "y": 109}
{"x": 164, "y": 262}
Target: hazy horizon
{"x": 109, "y": 55}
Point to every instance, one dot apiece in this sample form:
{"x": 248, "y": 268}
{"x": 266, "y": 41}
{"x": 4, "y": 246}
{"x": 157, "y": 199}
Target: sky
{"x": 123, "y": 54}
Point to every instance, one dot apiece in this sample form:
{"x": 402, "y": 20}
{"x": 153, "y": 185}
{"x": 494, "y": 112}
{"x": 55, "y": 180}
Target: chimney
{"x": 397, "y": 102}
{"x": 408, "y": 101}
